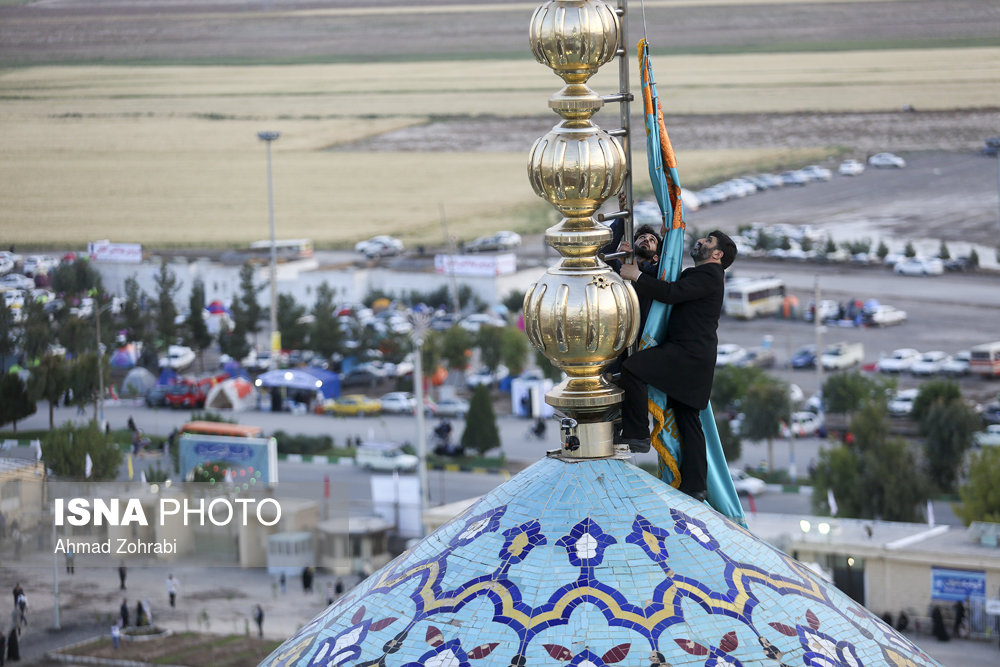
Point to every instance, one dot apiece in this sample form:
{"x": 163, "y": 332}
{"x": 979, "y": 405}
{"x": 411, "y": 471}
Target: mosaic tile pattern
{"x": 594, "y": 564}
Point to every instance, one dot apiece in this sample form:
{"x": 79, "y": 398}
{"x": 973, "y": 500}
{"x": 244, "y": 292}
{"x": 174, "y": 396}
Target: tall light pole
{"x": 268, "y": 138}
{"x": 420, "y": 322}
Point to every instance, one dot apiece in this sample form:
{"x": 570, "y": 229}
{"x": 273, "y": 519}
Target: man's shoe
{"x": 636, "y": 445}
{"x": 700, "y": 496}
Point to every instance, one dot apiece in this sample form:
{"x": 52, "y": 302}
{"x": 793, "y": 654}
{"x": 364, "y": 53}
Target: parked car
{"x": 886, "y": 160}
{"x": 156, "y": 397}
{"x": 451, "y": 407}
{"x": 804, "y": 425}
{"x": 759, "y": 357}
{"x": 991, "y": 414}
{"x": 842, "y": 355}
{"x": 919, "y": 266}
{"x": 804, "y": 357}
{"x": 178, "y": 357}
{"x": 379, "y": 246}
{"x": 884, "y": 316}
{"x": 746, "y": 484}
{"x": 901, "y": 404}
{"x": 851, "y": 167}
{"x": 956, "y": 364}
{"x": 899, "y": 360}
{"x": 487, "y": 377}
{"x": 399, "y": 402}
{"x": 814, "y": 172}
{"x": 500, "y": 241}
{"x": 792, "y": 178}
{"x": 384, "y": 456}
{"x": 929, "y": 363}
{"x": 988, "y": 437}
{"x": 360, "y": 376}
{"x": 352, "y": 405}
{"x": 828, "y": 310}
{"x": 17, "y": 281}
{"x": 474, "y": 322}
{"x": 729, "y": 354}
{"x": 444, "y": 321}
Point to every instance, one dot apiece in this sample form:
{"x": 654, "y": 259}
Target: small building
{"x": 354, "y": 544}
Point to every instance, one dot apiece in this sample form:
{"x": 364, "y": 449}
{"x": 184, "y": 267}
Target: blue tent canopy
{"x": 296, "y": 378}
{"x": 331, "y": 381}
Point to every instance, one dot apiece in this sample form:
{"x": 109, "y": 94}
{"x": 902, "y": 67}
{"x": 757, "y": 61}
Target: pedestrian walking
{"x": 140, "y": 614}
{"x": 339, "y": 588}
{"x": 258, "y": 617}
{"x": 3, "y": 648}
{"x": 17, "y": 592}
{"x": 115, "y": 635}
{"x": 22, "y": 608}
{"x": 329, "y": 593}
{"x": 282, "y": 582}
{"x": 172, "y": 589}
{"x": 123, "y": 612}
{"x": 69, "y": 560}
{"x": 122, "y": 573}
{"x": 13, "y": 645}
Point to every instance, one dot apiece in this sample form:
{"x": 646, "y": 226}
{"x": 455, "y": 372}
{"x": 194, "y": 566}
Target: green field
{"x": 168, "y": 155}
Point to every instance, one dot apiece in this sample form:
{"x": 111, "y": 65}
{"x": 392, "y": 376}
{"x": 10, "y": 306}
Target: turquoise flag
{"x": 722, "y": 494}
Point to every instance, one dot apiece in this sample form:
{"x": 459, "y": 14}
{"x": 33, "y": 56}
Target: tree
{"x": 910, "y": 251}
{"x": 488, "y": 340}
{"x": 974, "y": 258}
{"x": 948, "y": 428}
{"x": 549, "y": 369}
{"x": 732, "y": 445}
{"x": 481, "y": 433}
{"x": 730, "y": 385}
{"x": 65, "y": 452}
{"x": 8, "y": 338}
{"x": 325, "y": 336}
{"x": 78, "y": 335}
{"x": 848, "y": 392}
{"x": 15, "y": 400}
{"x": 830, "y": 246}
{"x": 873, "y": 477}
{"x": 49, "y": 381}
{"x": 943, "y": 251}
{"x": 513, "y": 350}
{"x": 980, "y": 495}
{"x": 197, "y": 336}
{"x": 935, "y": 391}
{"x": 455, "y": 345}
{"x": 514, "y": 301}
{"x": 765, "y": 406}
{"x": 36, "y": 331}
{"x": 167, "y": 286}
{"x": 882, "y": 251}
{"x": 294, "y": 330}
{"x": 83, "y": 379}
{"x": 246, "y": 309}
{"x": 75, "y": 278}
{"x": 134, "y": 316}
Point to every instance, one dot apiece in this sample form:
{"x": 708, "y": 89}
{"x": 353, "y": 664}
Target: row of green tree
{"x": 872, "y": 473}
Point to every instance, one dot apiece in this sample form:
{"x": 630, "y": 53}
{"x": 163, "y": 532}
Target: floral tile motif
{"x": 557, "y": 568}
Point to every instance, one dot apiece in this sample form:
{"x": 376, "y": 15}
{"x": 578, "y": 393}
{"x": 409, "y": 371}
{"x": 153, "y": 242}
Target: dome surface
{"x": 594, "y": 564}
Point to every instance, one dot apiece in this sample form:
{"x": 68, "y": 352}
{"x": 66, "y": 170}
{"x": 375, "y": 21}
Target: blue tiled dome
{"x": 594, "y": 564}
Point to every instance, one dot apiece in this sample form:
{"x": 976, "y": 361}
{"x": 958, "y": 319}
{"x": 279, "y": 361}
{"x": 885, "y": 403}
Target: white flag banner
{"x": 831, "y": 501}
{"x": 37, "y": 446}
{"x": 142, "y": 476}
{"x": 930, "y": 514}
{"x": 88, "y": 466}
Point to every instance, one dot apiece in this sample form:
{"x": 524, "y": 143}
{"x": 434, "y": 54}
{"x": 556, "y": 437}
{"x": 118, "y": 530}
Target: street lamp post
{"x": 268, "y": 138}
{"x": 420, "y": 322}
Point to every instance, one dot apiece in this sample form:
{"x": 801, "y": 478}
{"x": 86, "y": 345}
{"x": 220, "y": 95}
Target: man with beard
{"x": 683, "y": 366}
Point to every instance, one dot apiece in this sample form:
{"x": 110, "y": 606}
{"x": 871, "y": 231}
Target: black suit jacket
{"x": 683, "y": 366}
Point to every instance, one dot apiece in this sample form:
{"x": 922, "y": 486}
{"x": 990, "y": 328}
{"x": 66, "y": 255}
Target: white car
{"x": 451, "y": 407}
{"x": 957, "y": 364}
{"x": 804, "y": 425}
{"x": 902, "y": 403}
{"x": 500, "y": 241}
{"x": 840, "y": 356}
{"x": 178, "y": 357}
{"x": 814, "y": 172}
{"x": 384, "y": 456}
{"x": 917, "y": 266}
{"x": 851, "y": 167}
{"x": 379, "y": 246}
{"x": 474, "y": 322}
{"x": 883, "y": 316}
{"x": 17, "y": 281}
{"x": 486, "y": 377}
{"x": 882, "y": 160}
{"x": 37, "y": 264}
{"x": 729, "y": 354}
{"x": 399, "y": 402}
{"x": 988, "y": 437}
{"x": 747, "y": 485}
{"x": 929, "y": 363}
{"x": 899, "y": 360}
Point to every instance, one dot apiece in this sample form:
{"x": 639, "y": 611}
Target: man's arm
{"x": 689, "y": 287}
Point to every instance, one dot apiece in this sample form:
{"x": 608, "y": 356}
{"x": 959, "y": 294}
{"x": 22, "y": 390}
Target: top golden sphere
{"x": 574, "y": 37}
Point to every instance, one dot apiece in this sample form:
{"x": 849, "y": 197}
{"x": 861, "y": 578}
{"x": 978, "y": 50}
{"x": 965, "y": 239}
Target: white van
{"x": 385, "y": 456}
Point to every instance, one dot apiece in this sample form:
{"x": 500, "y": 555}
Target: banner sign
{"x": 106, "y": 251}
{"x": 476, "y": 265}
{"x": 948, "y": 584}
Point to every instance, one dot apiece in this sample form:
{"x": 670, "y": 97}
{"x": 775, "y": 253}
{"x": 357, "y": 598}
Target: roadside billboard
{"x": 106, "y": 251}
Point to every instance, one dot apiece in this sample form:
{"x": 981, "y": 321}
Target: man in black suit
{"x": 683, "y": 366}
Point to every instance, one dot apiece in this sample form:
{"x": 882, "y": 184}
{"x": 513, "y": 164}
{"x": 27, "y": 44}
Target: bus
{"x": 754, "y": 297}
{"x": 985, "y": 359}
{"x": 284, "y": 248}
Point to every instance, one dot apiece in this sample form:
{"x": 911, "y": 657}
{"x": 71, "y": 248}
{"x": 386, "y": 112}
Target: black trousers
{"x": 635, "y": 424}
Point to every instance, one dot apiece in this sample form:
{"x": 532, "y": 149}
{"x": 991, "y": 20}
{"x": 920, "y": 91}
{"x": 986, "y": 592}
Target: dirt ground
{"x": 187, "y": 648}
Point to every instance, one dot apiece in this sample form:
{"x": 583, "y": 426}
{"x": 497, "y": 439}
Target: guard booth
{"x": 289, "y": 553}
